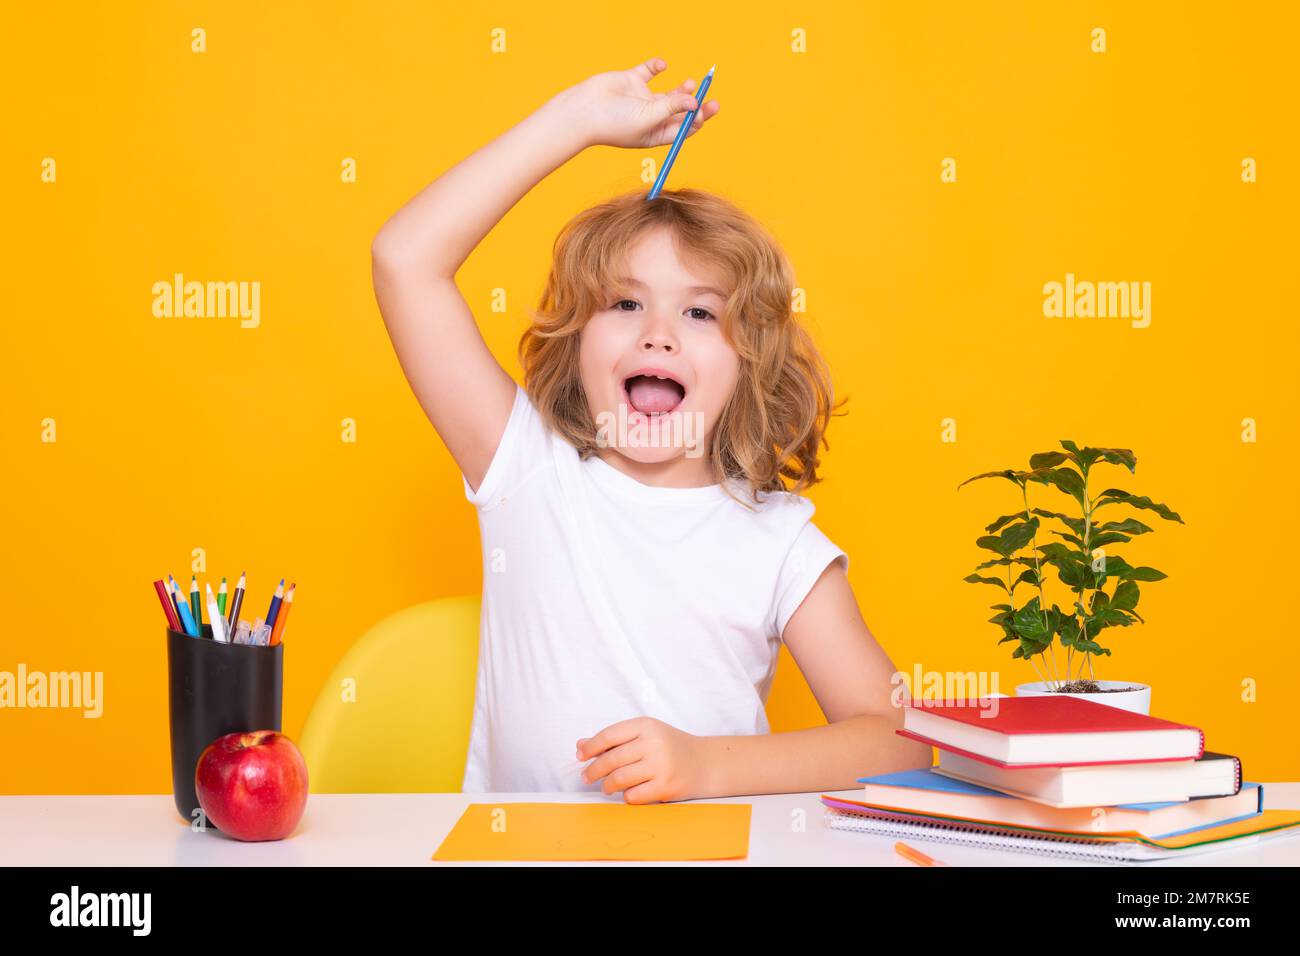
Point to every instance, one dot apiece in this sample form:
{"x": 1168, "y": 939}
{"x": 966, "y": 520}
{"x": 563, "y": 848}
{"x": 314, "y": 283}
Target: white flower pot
{"x": 1138, "y": 701}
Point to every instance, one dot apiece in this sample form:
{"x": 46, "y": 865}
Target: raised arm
{"x": 415, "y": 256}
{"x": 462, "y": 388}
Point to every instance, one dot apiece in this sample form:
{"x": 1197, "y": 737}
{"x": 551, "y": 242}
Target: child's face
{"x": 666, "y": 316}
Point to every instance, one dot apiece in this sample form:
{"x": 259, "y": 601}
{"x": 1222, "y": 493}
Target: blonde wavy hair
{"x": 775, "y": 420}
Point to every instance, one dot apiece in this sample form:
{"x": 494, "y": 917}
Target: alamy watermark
{"x": 76, "y": 908}
{"x": 670, "y": 430}
{"x": 923, "y": 687}
{"x": 1103, "y": 300}
{"x": 59, "y": 689}
{"x": 212, "y": 300}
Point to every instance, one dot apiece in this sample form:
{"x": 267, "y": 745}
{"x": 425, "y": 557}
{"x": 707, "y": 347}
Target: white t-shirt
{"x": 606, "y": 599}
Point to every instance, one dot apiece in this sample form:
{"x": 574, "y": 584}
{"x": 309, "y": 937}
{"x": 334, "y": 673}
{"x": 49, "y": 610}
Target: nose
{"x": 658, "y": 334}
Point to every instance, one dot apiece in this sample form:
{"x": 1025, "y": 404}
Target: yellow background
{"x": 926, "y": 298}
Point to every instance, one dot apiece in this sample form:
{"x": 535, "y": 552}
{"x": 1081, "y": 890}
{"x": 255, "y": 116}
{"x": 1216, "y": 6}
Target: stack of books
{"x": 1063, "y": 776}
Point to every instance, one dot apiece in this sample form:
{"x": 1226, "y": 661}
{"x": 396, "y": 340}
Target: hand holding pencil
{"x": 620, "y": 109}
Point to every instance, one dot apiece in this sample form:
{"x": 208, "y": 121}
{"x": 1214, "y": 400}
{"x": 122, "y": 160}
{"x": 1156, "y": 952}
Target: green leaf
{"x": 977, "y": 579}
{"x": 1073, "y": 452}
{"x": 1127, "y": 526}
{"x": 1074, "y": 524}
{"x": 1003, "y": 520}
{"x": 990, "y": 563}
{"x": 1040, "y": 475}
{"x": 1107, "y": 617}
{"x": 1055, "y": 551}
{"x": 1117, "y": 567}
{"x": 1145, "y": 574}
{"x": 1012, "y": 539}
{"x": 1014, "y": 475}
{"x": 1008, "y": 473}
{"x": 1126, "y": 596}
{"x": 1112, "y": 566}
{"x": 1073, "y": 539}
{"x": 1085, "y": 457}
{"x": 1063, "y": 623}
{"x": 1069, "y": 481}
{"x": 1120, "y": 496}
{"x": 1071, "y": 574}
{"x": 1046, "y": 459}
{"x": 1118, "y": 456}
{"x": 1029, "y": 622}
{"x": 1029, "y": 648}
{"x": 1016, "y": 536}
{"x": 1028, "y": 576}
{"x": 1107, "y": 537}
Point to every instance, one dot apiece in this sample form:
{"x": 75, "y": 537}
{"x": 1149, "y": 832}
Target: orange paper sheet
{"x": 599, "y": 831}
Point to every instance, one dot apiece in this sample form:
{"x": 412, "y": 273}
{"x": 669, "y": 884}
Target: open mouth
{"x": 653, "y": 395}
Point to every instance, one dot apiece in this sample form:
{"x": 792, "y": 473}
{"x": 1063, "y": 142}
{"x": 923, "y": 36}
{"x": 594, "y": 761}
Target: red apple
{"x": 252, "y": 786}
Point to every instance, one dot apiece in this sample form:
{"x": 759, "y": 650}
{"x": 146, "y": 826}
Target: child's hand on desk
{"x": 648, "y": 760}
{"x": 619, "y": 109}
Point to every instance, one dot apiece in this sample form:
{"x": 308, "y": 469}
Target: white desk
{"x": 405, "y": 829}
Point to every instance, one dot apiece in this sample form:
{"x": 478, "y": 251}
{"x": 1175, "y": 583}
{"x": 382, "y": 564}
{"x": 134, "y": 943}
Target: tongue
{"x": 650, "y": 395}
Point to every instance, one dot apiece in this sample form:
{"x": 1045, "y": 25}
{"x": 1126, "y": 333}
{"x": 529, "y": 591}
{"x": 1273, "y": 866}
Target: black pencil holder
{"x": 213, "y": 689}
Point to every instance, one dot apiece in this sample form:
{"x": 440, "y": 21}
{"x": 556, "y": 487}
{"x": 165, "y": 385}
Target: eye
{"x": 704, "y": 316}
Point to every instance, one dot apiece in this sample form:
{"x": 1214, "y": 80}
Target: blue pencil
{"x": 681, "y": 135}
{"x": 275, "y": 604}
{"x": 187, "y": 619}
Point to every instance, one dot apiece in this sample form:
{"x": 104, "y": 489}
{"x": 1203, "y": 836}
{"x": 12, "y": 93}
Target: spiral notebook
{"x": 1118, "y": 847}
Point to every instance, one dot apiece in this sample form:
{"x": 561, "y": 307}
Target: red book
{"x": 1048, "y": 731}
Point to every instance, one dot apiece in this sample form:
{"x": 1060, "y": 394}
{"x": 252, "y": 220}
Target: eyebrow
{"x": 693, "y": 289}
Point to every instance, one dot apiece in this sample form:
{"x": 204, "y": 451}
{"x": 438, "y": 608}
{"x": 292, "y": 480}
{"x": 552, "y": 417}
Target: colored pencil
{"x": 275, "y": 604}
{"x": 173, "y": 621}
{"x": 232, "y": 621}
{"x": 176, "y": 605}
{"x": 285, "y": 607}
{"x": 214, "y": 615}
{"x": 681, "y": 135}
{"x": 196, "y": 603}
{"x": 187, "y": 619}
{"x": 915, "y": 855}
{"x": 221, "y": 597}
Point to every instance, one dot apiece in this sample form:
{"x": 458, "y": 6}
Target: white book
{"x": 1101, "y": 785}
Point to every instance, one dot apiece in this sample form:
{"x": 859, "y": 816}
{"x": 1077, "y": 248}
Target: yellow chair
{"x": 405, "y": 726}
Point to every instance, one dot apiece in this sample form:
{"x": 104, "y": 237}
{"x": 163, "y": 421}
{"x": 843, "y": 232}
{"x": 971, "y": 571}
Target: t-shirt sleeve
{"x": 524, "y": 447}
{"x": 804, "y": 563}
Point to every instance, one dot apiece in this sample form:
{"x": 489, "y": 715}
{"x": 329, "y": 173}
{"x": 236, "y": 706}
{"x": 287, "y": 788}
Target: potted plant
{"x": 1080, "y": 562}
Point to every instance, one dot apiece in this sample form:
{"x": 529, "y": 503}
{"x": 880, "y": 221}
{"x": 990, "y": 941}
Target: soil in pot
{"x": 1090, "y": 687}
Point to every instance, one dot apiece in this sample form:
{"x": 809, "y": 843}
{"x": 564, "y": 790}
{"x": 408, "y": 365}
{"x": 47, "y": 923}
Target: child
{"x": 643, "y": 560}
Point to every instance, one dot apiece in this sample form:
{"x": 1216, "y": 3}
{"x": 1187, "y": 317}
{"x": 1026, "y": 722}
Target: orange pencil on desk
{"x": 282, "y": 615}
{"x": 915, "y": 855}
